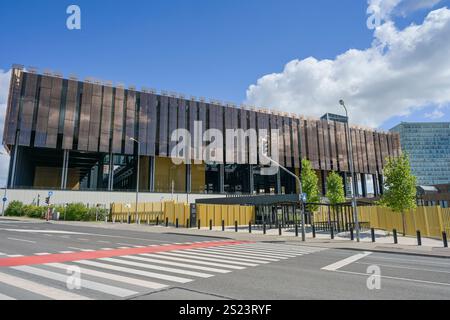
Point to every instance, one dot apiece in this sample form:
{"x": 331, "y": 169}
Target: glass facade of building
{"x": 78, "y": 135}
{"x": 428, "y": 146}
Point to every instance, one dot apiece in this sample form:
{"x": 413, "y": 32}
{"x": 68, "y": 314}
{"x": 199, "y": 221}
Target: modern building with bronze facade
{"x": 65, "y": 134}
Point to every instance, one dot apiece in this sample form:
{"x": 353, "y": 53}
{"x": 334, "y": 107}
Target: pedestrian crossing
{"x": 128, "y": 276}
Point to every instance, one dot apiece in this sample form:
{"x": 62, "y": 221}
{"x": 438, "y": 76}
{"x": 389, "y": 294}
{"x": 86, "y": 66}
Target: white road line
{"x": 159, "y": 268}
{"x": 193, "y": 260}
{"x": 39, "y": 289}
{"x": 237, "y": 253}
{"x": 124, "y": 248}
{"x": 175, "y": 264}
{"x": 96, "y": 286}
{"x": 21, "y": 240}
{"x": 107, "y": 249}
{"x": 288, "y": 248}
{"x": 2, "y": 254}
{"x": 42, "y": 254}
{"x": 251, "y": 252}
{"x": 397, "y": 278}
{"x": 134, "y": 271}
{"x": 14, "y": 256}
{"x": 403, "y": 267}
{"x": 66, "y": 252}
{"x": 213, "y": 257}
{"x": 81, "y": 249}
{"x": 340, "y": 264}
{"x": 138, "y": 247}
{"x": 429, "y": 263}
{"x": 271, "y": 251}
{"x": 113, "y": 277}
{"x": 233, "y": 255}
{"x": 4, "y": 297}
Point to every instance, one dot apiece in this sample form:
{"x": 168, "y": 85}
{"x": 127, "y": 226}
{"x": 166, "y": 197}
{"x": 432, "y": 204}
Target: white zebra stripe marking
{"x": 39, "y": 289}
{"x": 195, "y": 260}
{"x": 159, "y": 268}
{"x": 215, "y": 258}
{"x": 234, "y": 255}
{"x": 175, "y": 264}
{"x": 111, "y": 276}
{"x": 115, "y": 291}
{"x": 134, "y": 271}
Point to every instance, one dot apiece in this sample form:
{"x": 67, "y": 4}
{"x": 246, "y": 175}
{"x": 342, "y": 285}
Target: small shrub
{"x": 15, "y": 209}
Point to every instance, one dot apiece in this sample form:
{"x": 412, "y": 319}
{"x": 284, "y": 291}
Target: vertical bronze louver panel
{"x": 152, "y": 123}
{"x": 322, "y": 157}
{"x": 295, "y": 142}
{"x": 12, "y": 112}
{"x": 27, "y": 112}
{"x": 364, "y": 151}
{"x": 163, "y": 126}
{"x": 355, "y": 150}
{"x": 280, "y": 127}
{"x": 118, "y": 121}
{"x": 333, "y": 148}
{"x": 326, "y": 144}
{"x": 193, "y": 117}
{"x": 243, "y": 119}
{"x": 173, "y": 119}
{"x": 53, "y": 116}
{"x": 40, "y": 139}
{"x": 313, "y": 146}
{"x": 252, "y": 156}
{"x": 130, "y": 122}
{"x": 94, "y": 120}
{"x": 230, "y": 146}
{"x": 105, "y": 122}
{"x": 384, "y": 148}
{"x": 340, "y": 140}
{"x": 69, "y": 116}
{"x": 303, "y": 150}
{"x": 85, "y": 113}
{"x": 287, "y": 141}
{"x": 378, "y": 152}
{"x": 371, "y": 152}
{"x": 182, "y": 116}
{"x": 143, "y": 120}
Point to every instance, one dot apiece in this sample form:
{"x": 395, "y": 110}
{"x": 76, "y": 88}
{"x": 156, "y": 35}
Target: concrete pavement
{"x": 41, "y": 260}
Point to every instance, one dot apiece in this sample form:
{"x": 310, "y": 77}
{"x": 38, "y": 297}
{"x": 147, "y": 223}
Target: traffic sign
{"x": 5, "y": 199}
{"x": 303, "y": 197}
{"x": 50, "y": 193}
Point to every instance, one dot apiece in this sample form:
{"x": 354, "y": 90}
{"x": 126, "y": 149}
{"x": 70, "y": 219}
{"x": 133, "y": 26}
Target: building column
{"x": 14, "y": 162}
{"x": 152, "y": 174}
{"x": 221, "y": 178}
{"x": 65, "y": 169}
{"x": 111, "y": 172}
{"x": 279, "y": 182}
{"x": 380, "y": 184}
{"x": 188, "y": 178}
{"x": 364, "y": 185}
{"x": 252, "y": 179}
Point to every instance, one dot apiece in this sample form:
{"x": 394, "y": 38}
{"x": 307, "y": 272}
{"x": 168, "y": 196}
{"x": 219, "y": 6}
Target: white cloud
{"x": 402, "y": 71}
{"x": 5, "y": 78}
{"x": 390, "y": 8}
{"x": 435, "y": 115}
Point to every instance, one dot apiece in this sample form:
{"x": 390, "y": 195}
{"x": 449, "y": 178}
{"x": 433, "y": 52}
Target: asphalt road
{"x": 45, "y": 261}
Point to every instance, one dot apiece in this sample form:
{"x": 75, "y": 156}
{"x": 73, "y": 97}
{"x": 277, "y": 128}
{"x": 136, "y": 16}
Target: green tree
{"x": 400, "y": 187}
{"x": 310, "y": 184}
{"x": 335, "y": 189}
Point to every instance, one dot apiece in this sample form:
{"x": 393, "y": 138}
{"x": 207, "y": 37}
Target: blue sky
{"x": 209, "y": 48}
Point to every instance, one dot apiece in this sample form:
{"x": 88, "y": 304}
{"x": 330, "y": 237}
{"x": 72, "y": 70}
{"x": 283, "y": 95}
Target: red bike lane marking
{"x": 67, "y": 257}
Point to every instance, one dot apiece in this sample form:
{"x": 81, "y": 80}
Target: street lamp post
{"x": 300, "y": 189}
{"x": 137, "y": 177}
{"x": 6, "y": 190}
{"x": 352, "y": 172}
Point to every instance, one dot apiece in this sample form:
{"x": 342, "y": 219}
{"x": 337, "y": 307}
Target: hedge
{"x": 72, "y": 212}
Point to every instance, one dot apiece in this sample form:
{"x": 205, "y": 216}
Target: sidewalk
{"x": 384, "y": 241}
